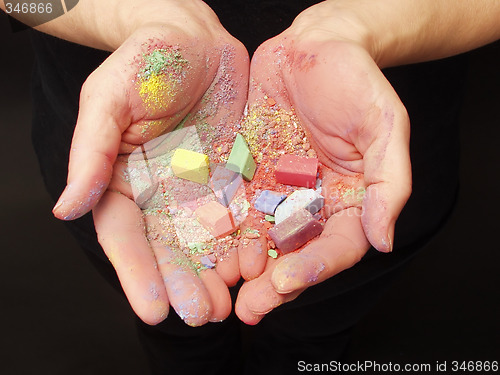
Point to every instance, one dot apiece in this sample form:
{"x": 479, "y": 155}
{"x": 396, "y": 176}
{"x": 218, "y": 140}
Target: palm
{"x": 359, "y": 129}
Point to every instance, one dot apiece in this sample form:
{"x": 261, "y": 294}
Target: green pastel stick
{"x": 241, "y": 159}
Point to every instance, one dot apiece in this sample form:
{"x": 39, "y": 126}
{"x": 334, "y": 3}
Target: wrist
{"x": 191, "y": 17}
{"x": 333, "y": 21}
{"x": 396, "y": 32}
{"x": 107, "y": 24}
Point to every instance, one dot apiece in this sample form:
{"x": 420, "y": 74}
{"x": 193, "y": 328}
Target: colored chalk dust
{"x": 170, "y": 182}
{"x": 198, "y": 184}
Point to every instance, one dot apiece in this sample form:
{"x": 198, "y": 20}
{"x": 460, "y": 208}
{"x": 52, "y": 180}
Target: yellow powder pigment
{"x": 161, "y": 71}
{"x": 156, "y": 91}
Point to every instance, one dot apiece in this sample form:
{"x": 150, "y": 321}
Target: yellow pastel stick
{"x": 190, "y": 165}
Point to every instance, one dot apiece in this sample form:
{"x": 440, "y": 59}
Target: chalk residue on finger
{"x": 296, "y": 272}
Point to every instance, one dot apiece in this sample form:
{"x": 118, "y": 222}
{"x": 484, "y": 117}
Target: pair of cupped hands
{"x": 355, "y": 122}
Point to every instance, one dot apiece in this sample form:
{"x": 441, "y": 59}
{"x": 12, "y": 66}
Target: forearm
{"x": 107, "y": 24}
{"x": 397, "y": 32}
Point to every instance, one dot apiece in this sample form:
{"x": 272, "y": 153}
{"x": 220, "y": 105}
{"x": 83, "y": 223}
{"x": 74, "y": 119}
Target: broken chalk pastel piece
{"x": 216, "y": 218}
{"x": 308, "y": 199}
{"x": 269, "y": 218}
{"x": 206, "y": 262}
{"x": 272, "y": 253}
{"x": 225, "y": 184}
{"x": 295, "y": 231}
{"x": 196, "y": 247}
{"x": 297, "y": 170}
{"x": 240, "y": 159}
{"x": 268, "y": 200}
{"x": 190, "y": 165}
{"x": 319, "y": 181}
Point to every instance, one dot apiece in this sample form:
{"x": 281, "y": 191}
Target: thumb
{"x": 388, "y": 178}
{"x": 94, "y": 148}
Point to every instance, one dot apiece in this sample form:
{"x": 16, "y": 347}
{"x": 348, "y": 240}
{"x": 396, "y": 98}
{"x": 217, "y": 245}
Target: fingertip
{"x": 381, "y": 208}
{"x": 62, "y": 209}
{"x": 88, "y": 179}
{"x": 219, "y": 295}
{"x": 262, "y": 298}
{"x": 246, "y": 316}
{"x": 378, "y": 236}
{"x": 243, "y": 312}
{"x": 74, "y": 203}
{"x": 381, "y": 244}
{"x": 194, "y": 313}
{"x": 253, "y": 263}
{"x": 228, "y": 267}
{"x": 153, "y": 313}
{"x": 252, "y": 255}
{"x": 386, "y": 244}
{"x": 187, "y": 293}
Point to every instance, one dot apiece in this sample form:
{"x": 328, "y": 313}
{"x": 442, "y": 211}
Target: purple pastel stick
{"x": 295, "y": 231}
{"x": 268, "y": 201}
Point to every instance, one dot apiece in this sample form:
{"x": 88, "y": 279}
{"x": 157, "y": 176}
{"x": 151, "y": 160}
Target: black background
{"x": 59, "y": 317}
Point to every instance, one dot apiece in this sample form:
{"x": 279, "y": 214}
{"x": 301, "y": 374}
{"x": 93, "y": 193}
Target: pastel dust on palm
{"x": 217, "y": 102}
{"x": 170, "y": 212}
{"x": 270, "y": 132}
{"x": 160, "y": 73}
{"x": 341, "y": 191}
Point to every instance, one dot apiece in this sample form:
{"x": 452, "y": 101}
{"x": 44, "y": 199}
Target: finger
{"x": 228, "y": 266}
{"x": 341, "y": 245}
{"x": 120, "y": 230}
{"x": 93, "y": 150}
{"x": 187, "y": 293}
{"x": 387, "y": 176}
{"x": 258, "y": 297}
{"x": 219, "y": 295}
{"x": 198, "y": 295}
{"x": 252, "y": 250}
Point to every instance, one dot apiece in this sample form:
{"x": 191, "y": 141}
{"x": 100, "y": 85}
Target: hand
{"x": 193, "y": 71}
{"x": 360, "y": 130}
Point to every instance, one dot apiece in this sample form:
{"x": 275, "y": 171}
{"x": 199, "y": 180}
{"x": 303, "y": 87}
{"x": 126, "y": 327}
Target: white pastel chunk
{"x": 308, "y": 199}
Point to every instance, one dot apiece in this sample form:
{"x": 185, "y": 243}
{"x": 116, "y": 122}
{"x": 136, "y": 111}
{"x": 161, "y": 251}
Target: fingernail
{"x": 296, "y": 272}
{"x": 57, "y": 206}
{"x": 264, "y": 301}
{"x": 216, "y": 320}
{"x": 58, "y": 209}
{"x": 61, "y": 201}
{"x": 64, "y": 213}
{"x": 387, "y": 244}
{"x": 262, "y": 313}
